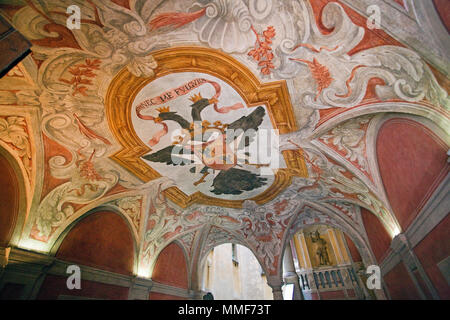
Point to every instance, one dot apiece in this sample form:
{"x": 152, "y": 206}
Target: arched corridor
{"x": 231, "y": 272}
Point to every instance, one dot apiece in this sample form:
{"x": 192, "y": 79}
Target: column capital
{"x": 401, "y": 246}
{"x": 400, "y": 243}
{"x": 139, "y": 288}
{"x": 276, "y": 283}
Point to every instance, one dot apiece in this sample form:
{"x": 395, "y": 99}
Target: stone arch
{"x": 165, "y": 258}
{"x": 356, "y": 236}
{"x": 203, "y": 259}
{"x": 13, "y": 199}
{"x": 99, "y": 211}
{"x": 405, "y": 108}
{"x": 202, "y": 254}
{"x": 419, "y": 139}
{"x": 335, "y": 221}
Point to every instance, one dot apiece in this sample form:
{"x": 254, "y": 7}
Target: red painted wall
{"x": 351, "y": 293}
{"x": 51, "y": 149}
{"x": 400, "y": 284}
{"x": 422, "y": 285}
{"x": 379, "y": 239}
{"x": 314, "y": 296}
{"x": 332, "y": 295}
{"x": 102, "y": 240}
{"x": 443, "y": 8}
{"x": 356, "y": 257}
{"x": 412, "y": 162}
{"x": 54, "y": 286}
{"x": 400, "y": 2}
{"x": 162, "y": 296}
{"x": 123, "y": 3}
{"x": 431, "y": 250}
{"x": 9, "y": 201}
{"x": 171, "y": 267}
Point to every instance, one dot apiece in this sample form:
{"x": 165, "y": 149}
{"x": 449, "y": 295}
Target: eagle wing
{"x": 252, "y": 121}
{"x": 235, "y": 181}
{"x": 165, "y": 156}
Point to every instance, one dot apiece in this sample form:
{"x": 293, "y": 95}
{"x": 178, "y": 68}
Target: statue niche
{"x": 321, "y": 249}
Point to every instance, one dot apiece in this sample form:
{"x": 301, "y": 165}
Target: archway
{"x": 326, "y": 263}
{"x": 9, "y": 200}
{"x": 171, "y": 270}
{"x": 100, "y": 240}
{"x": 412, "y": 158}
{"x": 231, "y": 272}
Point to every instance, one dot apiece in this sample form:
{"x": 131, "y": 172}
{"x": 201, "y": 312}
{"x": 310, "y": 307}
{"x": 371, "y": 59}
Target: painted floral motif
{"x": 175, "y": 19}
{"x": 350, "y": 210}
{"x": 320, "y": 73}
{"x": 264, "y": 227}
{"x": 88, "y": 182}
{"x": 13, "y": 131}
{"x": 187, "y": 241}
{"x": 87, "y": 170}
{"x": 262, "y": 52}
{"x": 405, "y": 75}
{"x": 217, "y": 236}
{"x": 338, "y": 183}
{"x": 349, "y": 139}
{"x": 132, "y": 207}
{"x": 310, "y": 216}
{"x": 15, "y": 72}
{"x": 81, "y": 74}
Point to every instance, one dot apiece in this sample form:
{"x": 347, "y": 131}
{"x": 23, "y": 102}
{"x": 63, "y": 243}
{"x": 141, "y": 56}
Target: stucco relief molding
{"x": 33, "y": 175}
{"x": 425, "y": 32}
{"x": 346, "y": 164}
{"x": 342, "y": 80}
{"x": 440, "y": 117}
{"x": 349, "y": 140}
{"x": 110, "y": 202}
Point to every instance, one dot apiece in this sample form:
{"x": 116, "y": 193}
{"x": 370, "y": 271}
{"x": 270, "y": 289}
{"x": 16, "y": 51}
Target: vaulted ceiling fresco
{"x": 93, "y": 114}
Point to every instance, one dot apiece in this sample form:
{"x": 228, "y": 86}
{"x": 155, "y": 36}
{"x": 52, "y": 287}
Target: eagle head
{"x": 199, "y": 101}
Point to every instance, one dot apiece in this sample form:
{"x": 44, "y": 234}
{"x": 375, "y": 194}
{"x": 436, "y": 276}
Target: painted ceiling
{"x": 216, "y": 119}
{"x": 88, "y": 114}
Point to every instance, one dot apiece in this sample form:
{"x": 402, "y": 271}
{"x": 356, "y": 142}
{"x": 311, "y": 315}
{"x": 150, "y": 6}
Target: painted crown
{"x": 196, "y": 97}
{"x": 163, "y": 109}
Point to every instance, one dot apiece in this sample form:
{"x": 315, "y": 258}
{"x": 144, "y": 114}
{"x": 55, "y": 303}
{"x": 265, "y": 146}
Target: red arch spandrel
{"x": 171, "y": 267}
{"x": 412, "y": 162}
{"x": 356, "y": 257}
{"x": 102, "y": 240}
{"x": 9, "y": 201}
{"x": 379, "y": 238}
{"x": 443, "y": 9}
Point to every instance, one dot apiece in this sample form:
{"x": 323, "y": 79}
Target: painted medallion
{"x": 204, "y": 136}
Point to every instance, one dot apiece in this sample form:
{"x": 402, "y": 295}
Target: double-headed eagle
{"x": 208, "y": 147}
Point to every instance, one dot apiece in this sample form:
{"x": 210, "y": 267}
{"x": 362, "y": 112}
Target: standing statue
{"x": 321, "y": 251}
